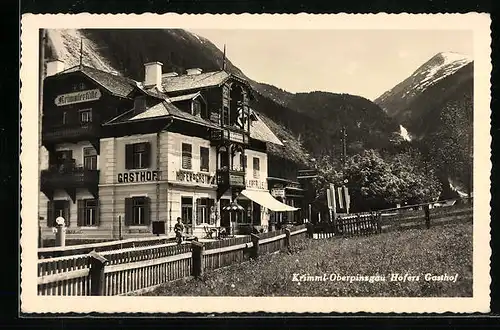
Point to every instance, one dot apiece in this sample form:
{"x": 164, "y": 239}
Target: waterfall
{"x": 404, "y": 133}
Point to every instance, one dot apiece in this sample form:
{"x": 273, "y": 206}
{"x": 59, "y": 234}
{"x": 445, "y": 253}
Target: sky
{"x": 359, "y": 62}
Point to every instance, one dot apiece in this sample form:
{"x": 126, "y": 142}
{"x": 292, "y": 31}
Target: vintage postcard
{"x": 255, "y": 163}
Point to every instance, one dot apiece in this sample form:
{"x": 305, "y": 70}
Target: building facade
{"x": 119, "y": 155}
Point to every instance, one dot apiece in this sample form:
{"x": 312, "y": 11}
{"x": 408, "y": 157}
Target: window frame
{"x": 86, "y": 208}
{"x": 188, "y": 154}
{"x": 136, "y": 205}
{"x": 92, "y": 156}
{"x": 189, "y": 208}
{"x": 131, "y": 152}
{"x": 203, "y": 169}
{"x": 256, "y": 169}
{"x": 85, "y": 111}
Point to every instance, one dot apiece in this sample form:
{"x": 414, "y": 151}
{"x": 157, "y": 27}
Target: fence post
{"x": 255, "y": 246}
{"x": 97, "y": 283}
{"x": 310, "y": 230}
{"x": 197, "y": 258}
{"x": 427, "y": 216}
{"x": 287, "y": 238}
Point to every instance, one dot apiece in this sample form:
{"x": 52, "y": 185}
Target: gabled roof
{"x": 184, "y": 97}
{"x": 117, "y": 85}
{"x": 197, "y": 81}
{"x": 260, "y": 131}
{"x": 162, "y": 109}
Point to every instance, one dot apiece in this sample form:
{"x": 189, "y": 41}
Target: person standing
{"x": 179, "y": 230}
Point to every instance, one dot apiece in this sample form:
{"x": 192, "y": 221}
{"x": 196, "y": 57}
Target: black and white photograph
{"x": 239, "y": 163}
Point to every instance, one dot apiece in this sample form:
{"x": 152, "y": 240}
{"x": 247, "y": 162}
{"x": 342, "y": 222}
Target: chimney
{"x": 54, "y": 67}
{"x": 152, "y": 75}
{"x": 193, "y": 71}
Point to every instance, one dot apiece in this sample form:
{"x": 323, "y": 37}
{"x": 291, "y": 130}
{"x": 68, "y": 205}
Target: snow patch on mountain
{"x": 448, "y": 63}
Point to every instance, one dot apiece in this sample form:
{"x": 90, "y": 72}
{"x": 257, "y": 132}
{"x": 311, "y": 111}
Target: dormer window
{"x": 196, "y": 108}
{"x": 139, "y": 103}
{"x": 85, "y": 116}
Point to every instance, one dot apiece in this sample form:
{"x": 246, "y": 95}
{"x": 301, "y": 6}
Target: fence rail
{"x": 132, "y": 269}
{"x": 59, "y": 251}
{"x": 64, "y": 276}
{"x": 390, "y": 220}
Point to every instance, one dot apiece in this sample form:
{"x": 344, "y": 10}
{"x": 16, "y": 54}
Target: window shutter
{"x": 97, "y": 211}
{"x": 147, "y": 154}
{"x": 129, "y": 156}
{"x": 81, "y": 213}
{"x": 67, "y": 213}
{"x": 50, "y": 214}
{"x": 128, "y": 211}
{"x": 147, "y": 210}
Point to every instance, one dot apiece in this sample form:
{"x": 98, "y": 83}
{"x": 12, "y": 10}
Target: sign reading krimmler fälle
{"x": 78, "y": 97}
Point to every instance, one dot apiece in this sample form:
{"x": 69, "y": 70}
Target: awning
{"x": 265, "y": 199}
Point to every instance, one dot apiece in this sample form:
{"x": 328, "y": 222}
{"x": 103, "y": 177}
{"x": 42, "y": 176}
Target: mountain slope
{"x": 435, "y": 104}
{"x": 309, "y": 122}
{"x": 442, "y": 65}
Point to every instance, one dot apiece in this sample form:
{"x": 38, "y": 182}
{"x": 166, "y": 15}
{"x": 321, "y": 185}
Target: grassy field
{"x": 437, "y": 251}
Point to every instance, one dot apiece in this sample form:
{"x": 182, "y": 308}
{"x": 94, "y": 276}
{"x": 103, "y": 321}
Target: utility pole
{"x": 343, "y": 139}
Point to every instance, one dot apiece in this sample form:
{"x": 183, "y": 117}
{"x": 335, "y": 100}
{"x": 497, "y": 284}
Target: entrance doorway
{"x": 225, "y": 220}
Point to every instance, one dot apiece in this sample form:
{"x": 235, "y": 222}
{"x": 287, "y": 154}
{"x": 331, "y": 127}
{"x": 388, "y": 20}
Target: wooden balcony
{"x": 231, "y": 178}
{"x": 69, "y": 179}
{"x": 59, "y": 134}
{"x": 229, "y": 135}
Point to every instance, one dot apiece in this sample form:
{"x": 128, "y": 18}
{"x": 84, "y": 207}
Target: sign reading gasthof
{"x": 78, "y": 97}
{"x": 141, "y": 176}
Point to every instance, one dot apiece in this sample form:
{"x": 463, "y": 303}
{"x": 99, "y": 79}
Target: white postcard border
{"x": 32, "y": 303}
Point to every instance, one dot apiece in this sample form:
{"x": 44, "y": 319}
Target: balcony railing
{"x": 231, "y": 177}
{"x": 54, "y": 134}
{"x": 230, "y": 134}
{"x": 68, "y": 177}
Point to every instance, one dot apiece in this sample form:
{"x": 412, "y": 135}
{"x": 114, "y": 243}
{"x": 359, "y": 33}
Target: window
{"x": 196, "y": 108}
{"x": 88, "y": 212}
{"x": 204, "y": 159}
{"x": 205, "y": 211}
{"x": 225, "y": 116}
{"x": 89, "y": 158}
{"x": 85, "y": 116}
{"x": 224, "y": 158}
{"x": 187, "y": 213}
{"x": 186, "y": 156}
{"x": 137, "y": 155}
{"x": 55, "y": 209}
{"x": 139, "y": 103}
{"x": 243, "y": 162}
{"x": 256, "y": 167}
{"x": 137, "y": 211}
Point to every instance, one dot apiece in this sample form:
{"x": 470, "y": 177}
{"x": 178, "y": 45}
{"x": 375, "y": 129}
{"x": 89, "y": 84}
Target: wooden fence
{"x": 133, "y": 269}
{"x": 59, "y": 251}
{"x": 418, "y": 216}
{"x": 67, "y": 276}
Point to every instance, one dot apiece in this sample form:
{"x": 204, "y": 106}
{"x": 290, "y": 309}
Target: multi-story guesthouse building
{"x": 119, "y": 154}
